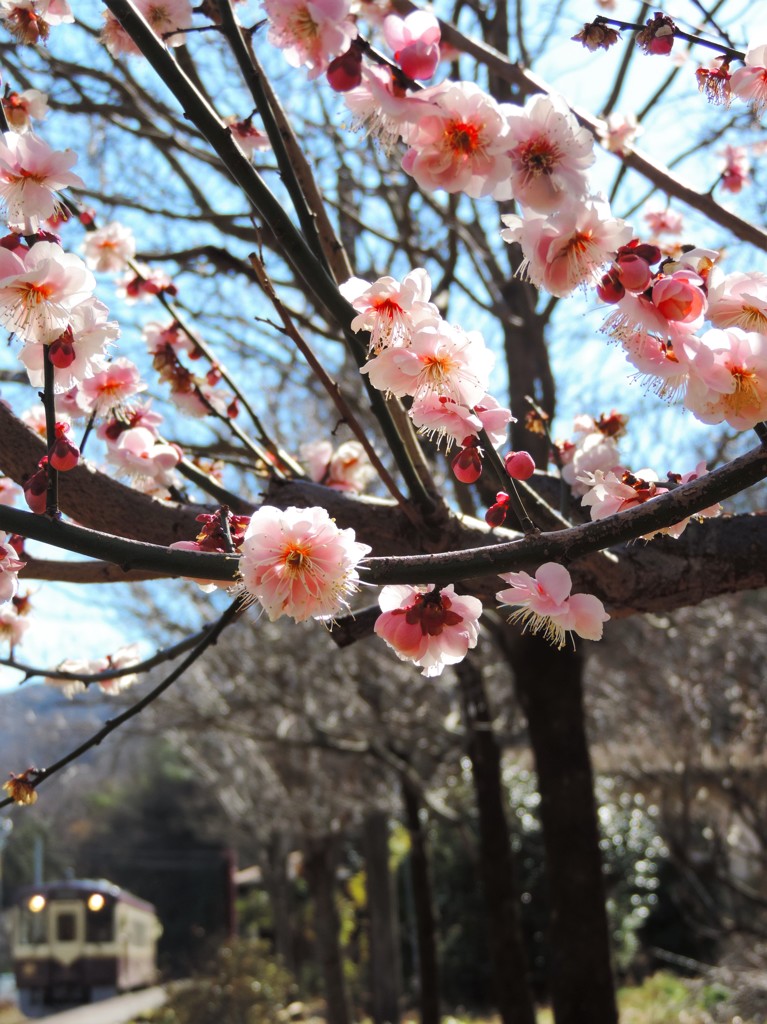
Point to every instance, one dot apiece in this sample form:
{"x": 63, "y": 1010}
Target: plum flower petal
{"x": 544, "y": 605}
{"x": 30, "y": 175}
{"x": 297, "y": 562}
{"x": 432, "y": 628}
{"x": 9, "y": 569}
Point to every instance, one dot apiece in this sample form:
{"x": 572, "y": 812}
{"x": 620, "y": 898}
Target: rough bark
{"x": 320, "y": 860}
{"x": 385, "y": 973}
{"x": 510, "y": 965}
{"x": 425, "y": 924}
{"x": 719, "y": 556}
{"x": 549, "y": 685}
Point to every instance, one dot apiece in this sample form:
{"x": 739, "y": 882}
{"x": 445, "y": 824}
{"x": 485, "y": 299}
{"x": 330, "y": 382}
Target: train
{"x": 79, "y": 941}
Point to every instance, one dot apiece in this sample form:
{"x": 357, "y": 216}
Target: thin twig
{"x": 38, "y": 776}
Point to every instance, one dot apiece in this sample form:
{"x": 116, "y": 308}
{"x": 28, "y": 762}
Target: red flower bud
{"x": 635, "y": 273}
{"x": 610, "y": 288}
{"x": 61, "y": 352}
{"x": 64, "y": 454}
{"x": 496, "y": 514}
{"x": 467, "y": 464}
{"x": 519, "y": 465}
{"x": 36, "y": 488}
{"x": 345, "y": 72}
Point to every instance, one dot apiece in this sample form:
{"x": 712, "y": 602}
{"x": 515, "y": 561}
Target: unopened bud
{"x": 467, "y": 465}
{"x": 345, "y": 72}
{"x": 610, "y": 288}
{"x": 519, "y": 465}
{"x": 36, "y": 488}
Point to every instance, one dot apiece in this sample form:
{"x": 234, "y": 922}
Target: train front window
{"x": 33, "y": 927}
{"x": 66, "y": 928}
{"x": 99, "y": 924}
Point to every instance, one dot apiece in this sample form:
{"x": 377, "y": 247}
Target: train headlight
{"x": 36, "y": 903}
{"x": 96, "y": 902}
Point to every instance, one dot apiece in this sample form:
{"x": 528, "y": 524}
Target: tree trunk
{"x": 511, "y": 975}
{"x": 549, "y": 685}
{"x": 385, "y": 973}
{"x": 280, "y": 898}
{"x": 320, "y": 868}
{"x": 428, "y": 972}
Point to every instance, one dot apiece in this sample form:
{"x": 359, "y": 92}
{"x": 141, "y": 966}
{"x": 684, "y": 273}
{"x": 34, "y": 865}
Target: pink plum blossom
{"x": 494, "y": 418}
{"x": 347, "y": 468}
{"x": 12, "y": 625}
{"x": 112, "y": 387}
{"x": 249, "y": 138}
{"x": 39, "y": 291}
{"x": 380, "y": 108}
{"x": 79, "y": 352}
{"x": 545, "y": 605}
{"x": 750, "y": 82}
{"x": 388, "y": 309}
{"x": 144, "y": 282}
{"x": 459, "y": 144}
{"x": 738, "y": 300}
{"x": 437, "y": 416}
{"x": 10, "y": 565}
{"x": 10, "y": 492}
{"x": 30, "y": 175}
{"x": 429, "y": 627}
{"x": 568, "y": 248}
{"x": 30, "y": 21}
{"x": 310, "y": 33}
{"x": 549, "y": 155}
{"x": 663, "y": 363}
{"x": 441, "y": 359}
{"x": 591, "y": 452}
{"x": 619, "y": 131}
{"x": 679, "y": 297}
{"x": 711, "y": 512}
{"x": 23, "y": 107}
{"x": 618, "y": 489}
{"x": 415, "y": 42}
{"x": 145, "y": 459}
{"x": 109, "y": 248}
{"x": 664, "y": 222}
{"x": 164, "y": 18}
{"x": 729, "y": 378}
{"x": 736, "y": 167}
{"x": 297, "y": 562}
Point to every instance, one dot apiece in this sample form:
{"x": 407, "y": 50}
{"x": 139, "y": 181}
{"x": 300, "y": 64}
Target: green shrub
{"x": 244, "y": 985}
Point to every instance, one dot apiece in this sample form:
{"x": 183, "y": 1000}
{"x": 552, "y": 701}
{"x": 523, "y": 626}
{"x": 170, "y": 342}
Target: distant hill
{"x": 38, "y": 724}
